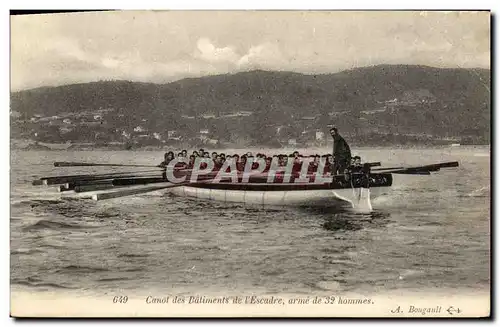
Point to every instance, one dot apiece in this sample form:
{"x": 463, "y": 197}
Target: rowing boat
{"x": 340, "y": 192}
{"x": 354, "y": 190}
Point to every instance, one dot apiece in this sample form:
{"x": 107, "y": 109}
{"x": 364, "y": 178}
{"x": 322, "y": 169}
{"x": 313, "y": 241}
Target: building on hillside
{"x": 56, "y": 123}
{"x": 92, "y": 123}
{"x": 171, "y": 134}
{"x": 320, "y": 136}
{"x": 338, "y": 113}
{"x": 139, "y": 129}
{"x": 415, "y": 97}
{"x": 230, "y": 115}
{"x": 204, "y": 134}
{"x": 212, "y": 141}
{"x": 15, "y": 114}
{"x": 64, "y": 129}
{"x": 176, "y": 138}
{"x": 372, "y": 112}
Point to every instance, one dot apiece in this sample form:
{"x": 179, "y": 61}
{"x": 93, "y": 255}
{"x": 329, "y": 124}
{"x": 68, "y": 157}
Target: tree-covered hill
{"x": 396, "y": 99}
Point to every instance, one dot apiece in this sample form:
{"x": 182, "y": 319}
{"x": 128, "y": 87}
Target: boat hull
{"x": 358, "y": 199}
{"x": 355, "y": 192}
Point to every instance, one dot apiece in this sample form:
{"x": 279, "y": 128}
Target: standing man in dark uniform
{"x": 341, "y": 153}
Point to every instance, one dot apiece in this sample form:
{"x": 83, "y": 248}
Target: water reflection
{"x": 349, "y": 221}
{"x": 341, "y": 224}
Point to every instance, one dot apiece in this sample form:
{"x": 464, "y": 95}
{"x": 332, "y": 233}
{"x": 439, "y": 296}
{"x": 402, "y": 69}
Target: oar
{"x": 108, "y": 181}
{"x": 135, "y": 191}
{"x": 131, "y": 191}
{"x": 88, "y": 188}
{"x": 91, "y": 164}
{"x": 92, "y": 188}
{"x": 409, "y": 172}
{"x": 73, "y": 185}
{"x": 431, "y": 167}
{"x": 63, "y": 180}
{"x": 137, "y": 181}
{"x": 99, "y": 174}
{"x": 119, "y": 181}
{"x": 123, "y": 191}
{"x": 50, "y": 180}
{"x": 422, "y": 170}
{"x": 373, "y": 164}
{"x": 388, "y": 168}
{"x": 111, "y": 184}
{"x": 153, "y": 180}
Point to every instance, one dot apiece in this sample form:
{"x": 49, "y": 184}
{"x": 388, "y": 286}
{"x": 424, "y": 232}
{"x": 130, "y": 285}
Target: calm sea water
{"x": 431, "y": 232}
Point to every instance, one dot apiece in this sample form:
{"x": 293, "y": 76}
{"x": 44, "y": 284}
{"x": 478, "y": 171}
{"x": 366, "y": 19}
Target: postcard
{"x": 250, "y": 163}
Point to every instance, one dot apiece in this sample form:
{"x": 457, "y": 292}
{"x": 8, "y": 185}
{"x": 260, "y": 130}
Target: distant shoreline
{"x": 65, "y": 147}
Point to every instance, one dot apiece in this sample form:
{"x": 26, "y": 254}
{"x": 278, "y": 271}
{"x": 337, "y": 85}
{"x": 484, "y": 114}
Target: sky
{"x": 164, "y": 46}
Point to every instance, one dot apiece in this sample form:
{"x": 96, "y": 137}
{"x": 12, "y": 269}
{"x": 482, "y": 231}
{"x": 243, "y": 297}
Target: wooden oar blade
{"x": 137, "y": 181}
{"x": 64, "y": 188}
{"x": 135, "y": 187}
{"x": 107, "y": 181}
{"x": 90, "y": 164}
{"x": 373, "y": 164}
{"x": 74, "y": 164}
{"x": 131, "y": 191}
{"x": 56, "y": 181}
{"x": 418, "y": 170}
{"x": 387, "y": 168}
{"x": 63, "y": 180}
{"x": 411, "y": 172}
{"x": 450, "y": 164}
{"x": 93, "y": 188}
{"x": 78, "y": 176}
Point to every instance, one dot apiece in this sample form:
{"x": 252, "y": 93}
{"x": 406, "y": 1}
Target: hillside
{"x": 251, "y": 107}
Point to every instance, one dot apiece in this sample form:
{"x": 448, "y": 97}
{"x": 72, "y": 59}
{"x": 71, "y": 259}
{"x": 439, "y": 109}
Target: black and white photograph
{"x": 250, "y": 163}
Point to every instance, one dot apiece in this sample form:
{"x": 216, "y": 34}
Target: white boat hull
{"x": 358, "y": 199}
